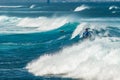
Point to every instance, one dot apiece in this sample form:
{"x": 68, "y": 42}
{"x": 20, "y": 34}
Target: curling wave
{"x": 28, "y": 25}
{"x": 98, "y": 59}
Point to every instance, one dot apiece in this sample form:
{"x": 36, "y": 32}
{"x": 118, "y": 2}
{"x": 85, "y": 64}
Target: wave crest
{"x": 80, "y": 8}
{"x": 27, "y": 25}
{"x": 114, "y": 7}
{"x": 32, "y": 6}
{"x": 19, "y": 6}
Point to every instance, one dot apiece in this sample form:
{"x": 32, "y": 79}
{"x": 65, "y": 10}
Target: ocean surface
{"x": 43, "y": 41}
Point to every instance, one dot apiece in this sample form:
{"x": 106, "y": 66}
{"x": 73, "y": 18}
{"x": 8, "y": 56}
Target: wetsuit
{"x": 86, "y": 34}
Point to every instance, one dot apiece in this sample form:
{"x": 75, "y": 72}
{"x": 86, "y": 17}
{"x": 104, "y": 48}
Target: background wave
{"x": 27, "y": 25}
{"x": 80, "y": 8}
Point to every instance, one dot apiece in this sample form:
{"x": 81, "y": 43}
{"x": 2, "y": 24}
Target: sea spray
{"x": 87, "y": 60}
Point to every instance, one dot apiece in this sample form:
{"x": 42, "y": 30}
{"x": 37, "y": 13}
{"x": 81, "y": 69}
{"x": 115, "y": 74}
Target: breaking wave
{"x": 89, "y": 60}
{"x": 80, "y": 8}
{"x": 40, "y": 24}
{"x": 93, "y": 26}
{"x": 27, "y": 25}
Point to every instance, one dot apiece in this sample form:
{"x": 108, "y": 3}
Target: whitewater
{"x": 98, "y": 59}
{"x": 40, "y": 41}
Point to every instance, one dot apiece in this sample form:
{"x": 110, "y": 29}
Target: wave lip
{"x": 79, "y": 30}
{"x": 30, "y": 25}
{"x": 93, "y": 26}
{"x": 32, "y": 6}
{"x": 43, "y": 23}
{"x": 81, "y": 8}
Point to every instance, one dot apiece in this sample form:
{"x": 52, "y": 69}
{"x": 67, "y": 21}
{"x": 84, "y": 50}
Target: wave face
{"x": 45, "y": 41}
{"x": 87, "y": 59}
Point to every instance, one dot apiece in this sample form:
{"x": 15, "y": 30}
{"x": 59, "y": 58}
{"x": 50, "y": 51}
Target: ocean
{"x": 42, "y": 41}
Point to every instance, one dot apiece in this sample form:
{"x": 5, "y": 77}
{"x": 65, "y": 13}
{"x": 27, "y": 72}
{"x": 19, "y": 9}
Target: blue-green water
{"x": 43, "y": 41}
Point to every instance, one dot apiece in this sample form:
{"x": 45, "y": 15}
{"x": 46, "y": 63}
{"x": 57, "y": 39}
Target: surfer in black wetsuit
{"x": 86, "y": 33}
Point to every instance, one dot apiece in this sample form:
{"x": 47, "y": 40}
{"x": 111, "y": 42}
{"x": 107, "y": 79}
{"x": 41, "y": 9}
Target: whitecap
{"x": 80, "y": 8}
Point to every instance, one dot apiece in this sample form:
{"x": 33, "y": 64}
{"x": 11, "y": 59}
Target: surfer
{"x": 86, "y": 33}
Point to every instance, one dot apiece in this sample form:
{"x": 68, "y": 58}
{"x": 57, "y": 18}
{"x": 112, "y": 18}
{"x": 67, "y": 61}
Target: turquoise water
{"x": 43, "y": 41}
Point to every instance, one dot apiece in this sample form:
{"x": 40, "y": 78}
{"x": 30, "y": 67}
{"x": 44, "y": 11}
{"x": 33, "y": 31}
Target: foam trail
{"x": 80, "y": 8}
{"x": 115, "y": 12}
{"x": 97, "y": 60}
{"x": 11, "y": 6}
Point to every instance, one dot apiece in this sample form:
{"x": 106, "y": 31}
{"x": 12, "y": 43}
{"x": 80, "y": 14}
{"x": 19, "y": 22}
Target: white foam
{"x": 11, "y": 6}
{"x": 96, "y": 60}
{"x": 32, "y": 6}
{"x": 81, "y": 28}
{"x": 114, "y": 7}
{"x": 30, "y": 25}
{"x": 80, "y": 8}
{"x": 43, "y": 23}
{"x": 27, "y": 25}
{"x": 115, "y": 12}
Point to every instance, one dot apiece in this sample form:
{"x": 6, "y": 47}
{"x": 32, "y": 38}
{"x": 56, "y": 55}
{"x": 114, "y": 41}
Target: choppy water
{"x": 43, "y": 41}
